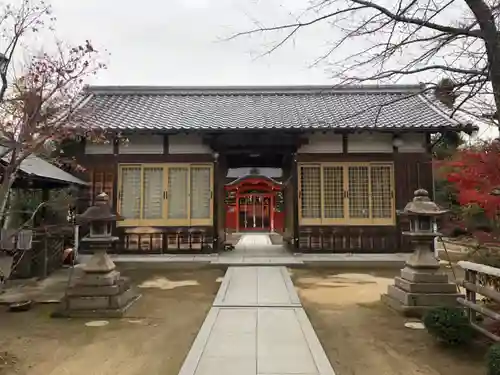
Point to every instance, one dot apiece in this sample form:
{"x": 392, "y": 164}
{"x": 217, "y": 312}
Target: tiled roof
{"x": 37, "y": 167}
{"x": 291, "y": 107}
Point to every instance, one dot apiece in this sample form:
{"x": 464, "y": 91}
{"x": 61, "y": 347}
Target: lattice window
{"x": 152, "y": 206}
{"x": 359, "y": 197}
{"x": 381, "y": 191}
{"x": 130, "y": 202}
{"x": 310, "y": 187}
{"x": 178, "y": 192}
{"x": 201, "y": 192}
{"x": 165, "y": 195}
{"x": 333, "y": 192}
{"x": 101, "y": 181}
{"x": 347, "y": 194}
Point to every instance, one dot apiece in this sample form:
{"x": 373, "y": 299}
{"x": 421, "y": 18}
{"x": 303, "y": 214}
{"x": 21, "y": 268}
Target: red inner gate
{"x": 254, "y": 203}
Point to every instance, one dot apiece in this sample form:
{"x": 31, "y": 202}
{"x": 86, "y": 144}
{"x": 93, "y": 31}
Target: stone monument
{"x": 100, "y": 291}
{"x": 422, "y": 285}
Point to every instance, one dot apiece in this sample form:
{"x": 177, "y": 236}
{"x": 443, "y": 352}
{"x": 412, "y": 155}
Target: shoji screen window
{"x": 346, "y": 194}
{"x": 166, "y": 194}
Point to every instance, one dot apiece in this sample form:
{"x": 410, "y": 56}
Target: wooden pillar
{"x": 272, "y": 205}
{"x": 45, "y": 252}
{"x": 295, "y": 188}
{"x": 220, "y": 172}
{"x": 116, "y": 188}
{"x": 116, "y": 151}
{"x": 237, "y": 229}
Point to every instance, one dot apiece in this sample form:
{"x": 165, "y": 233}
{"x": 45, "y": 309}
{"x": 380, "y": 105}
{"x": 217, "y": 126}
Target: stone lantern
{"x": 101, "y": 291}
{"x": 100, "y": 219}
{"x": 422, "y": 214}
{"x": 422, "y": 285}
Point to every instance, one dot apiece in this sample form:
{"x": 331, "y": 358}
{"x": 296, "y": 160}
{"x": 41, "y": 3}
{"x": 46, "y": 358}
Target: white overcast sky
{"x": 183, "y": 42}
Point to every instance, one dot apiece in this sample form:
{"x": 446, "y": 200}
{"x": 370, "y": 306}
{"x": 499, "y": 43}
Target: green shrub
{"x": 493, "y": 360}
{"x": 449, "y": 325}
{"x": 458, "y": 232}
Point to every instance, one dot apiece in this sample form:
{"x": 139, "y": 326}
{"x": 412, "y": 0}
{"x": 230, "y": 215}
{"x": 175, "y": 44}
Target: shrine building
{"x": 325, "y": 168}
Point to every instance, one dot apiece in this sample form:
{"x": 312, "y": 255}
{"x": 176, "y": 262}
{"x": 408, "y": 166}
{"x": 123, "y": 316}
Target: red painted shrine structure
{"x": 254, "y": 203}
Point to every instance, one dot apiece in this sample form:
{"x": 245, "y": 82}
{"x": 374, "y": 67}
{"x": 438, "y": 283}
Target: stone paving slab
{"x": 257, "y": 286}
{"x": 351, "y": 256}
{"x": 256, "y": 341}
{"x": 341, "y": 260}
{"x": 254, "y": 240}
{"x": 256, "y": 261}
{"x": 256, "y": 327}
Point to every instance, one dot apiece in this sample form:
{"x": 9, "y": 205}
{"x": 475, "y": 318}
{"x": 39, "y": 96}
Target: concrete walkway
{"x": 257, "y": 249}
{"x": 254, "y": 240}
{"x": 257, "y": 287}
{"x": 256, "y": 327}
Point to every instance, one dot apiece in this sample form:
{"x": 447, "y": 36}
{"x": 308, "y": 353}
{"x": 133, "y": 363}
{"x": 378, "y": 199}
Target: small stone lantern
{"x": 422, "y": 214}
{"x": 100, "y": 291}
{"x": 422, "y": 285}
{"x": 100, "y": 239}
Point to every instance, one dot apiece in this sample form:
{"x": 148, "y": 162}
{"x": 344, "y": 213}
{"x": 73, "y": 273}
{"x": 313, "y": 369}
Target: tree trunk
{"x": 486, "y": 22}
{"x": 4, "y": 194}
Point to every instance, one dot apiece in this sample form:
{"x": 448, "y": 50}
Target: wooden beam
{"x": 254, "y": 139}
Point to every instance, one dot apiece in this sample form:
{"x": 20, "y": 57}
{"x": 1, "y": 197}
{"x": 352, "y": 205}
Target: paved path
{"x": 270, "y": 336}
{"x": 254, "y": 240}
{"x": 257, "y": 287}
{"x": 257, "y": 249}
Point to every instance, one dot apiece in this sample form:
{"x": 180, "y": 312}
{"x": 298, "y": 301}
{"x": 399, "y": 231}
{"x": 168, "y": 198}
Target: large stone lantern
{"x": 101, "y": 291}
{"x": 422, "y": 285}
{"x": 422, "y": 214}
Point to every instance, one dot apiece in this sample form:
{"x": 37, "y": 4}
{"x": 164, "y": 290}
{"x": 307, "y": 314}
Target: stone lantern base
{"x": 420, "y": 289}
{"x": 100, "y": 293}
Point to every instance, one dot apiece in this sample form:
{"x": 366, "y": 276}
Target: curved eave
{"x": 255, "y": 176}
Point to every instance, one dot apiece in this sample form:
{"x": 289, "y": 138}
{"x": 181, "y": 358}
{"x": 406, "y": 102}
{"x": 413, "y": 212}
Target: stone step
{"x": 409, "y": 311}
{"x": 100, "y": 302}
{"x": 423, "y": 299}
{"x": 97, "y": 291}
{"x": 98, "y": 279}
{"x": 95, "y": 314}
{"x": 421, "y": 276}
{"x": 276, "y": 239}
{"x": 424, "y": 287}
{"x": 232, "y": 239}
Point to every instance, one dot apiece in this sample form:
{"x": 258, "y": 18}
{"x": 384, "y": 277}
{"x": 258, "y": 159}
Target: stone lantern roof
{"x": 100, "y": 211}
{"x": 421, "y": 205}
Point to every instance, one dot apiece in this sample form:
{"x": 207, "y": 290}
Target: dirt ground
{"x": 361, "y": 336}
{"x": 153, "y": 339}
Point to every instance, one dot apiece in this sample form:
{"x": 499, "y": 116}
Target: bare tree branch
{"x": 383, "y": 41}
{"x": 469, "y": 31}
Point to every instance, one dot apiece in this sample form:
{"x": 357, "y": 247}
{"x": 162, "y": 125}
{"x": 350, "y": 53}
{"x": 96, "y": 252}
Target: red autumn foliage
{"x": 475, "y": 173}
